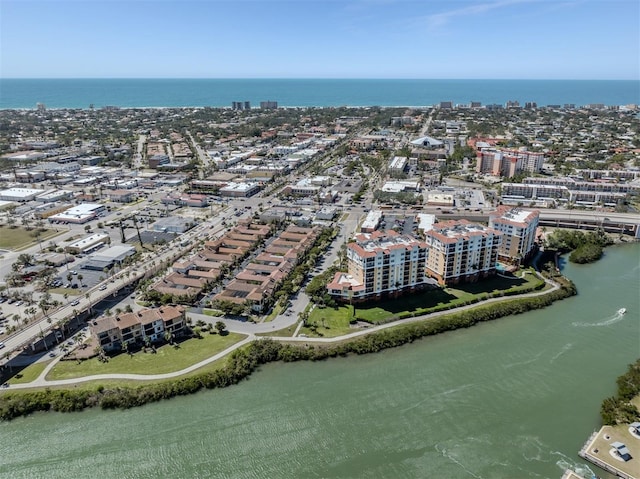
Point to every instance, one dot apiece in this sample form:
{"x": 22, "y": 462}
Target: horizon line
{"x": 321, "y": 78}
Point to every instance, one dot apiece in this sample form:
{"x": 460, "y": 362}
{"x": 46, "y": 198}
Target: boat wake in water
{"x": 619, "y": 316}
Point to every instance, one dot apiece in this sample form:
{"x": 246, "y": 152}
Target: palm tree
{"x": 88, "y": 296}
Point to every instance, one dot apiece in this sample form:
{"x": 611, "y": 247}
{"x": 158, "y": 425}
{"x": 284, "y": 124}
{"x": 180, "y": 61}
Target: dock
{"x": 597, "y": 450}
{"x": 569, "y": 474}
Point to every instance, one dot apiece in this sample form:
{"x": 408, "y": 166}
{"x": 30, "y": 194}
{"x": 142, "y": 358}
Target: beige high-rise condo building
{"x": 379, "y": 264}
{"x": 519, "y": 229}
{"x": 461, "y": 251}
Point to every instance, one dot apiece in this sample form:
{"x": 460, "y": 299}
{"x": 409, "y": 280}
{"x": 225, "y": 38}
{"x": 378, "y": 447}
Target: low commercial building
{"x": 401, "y": 186}
{"x": 440, "y": 199}
{"x": 173, "y": 224}
{"x": 121, "y": 196}
{"x": 52, "y": 196}
{"x": 240, "y": 190}
{"x": 79, "y": 214}
{"x": 20, "y": 195}
{"x": 327, "y": 213}
{"x": 88, "y": 243}
{"x": 109, "y": 257}
{"x": 371, "y": 222}
{"x": 397, "y": 165}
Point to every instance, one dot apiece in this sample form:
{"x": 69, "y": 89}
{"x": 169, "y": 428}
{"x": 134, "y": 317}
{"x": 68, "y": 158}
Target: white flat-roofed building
{"x": 79, "y": 214}
{"x": 401, "y": 186}
{"x": 240, "y": 189}
{"x": 371, "y": 221}
{"x": 327, "y": 213}
{"x": 88, "y": 243}
{"x": 461, "y": 251}
{"x": 381, "y": 263}
{"x": 425, "y": 221}
{"x": 397, "y": 164}
{"x": 304, "y": 187}
{"x": 107, "y": 258}
{"x": 51, "y": 196}
{"x": 439, "y": 199}
{"x": 518, "y": 227}
{"x": 88, "y": 181}
{"x": 320, "y": 180}
{"x": 20, "y": 195}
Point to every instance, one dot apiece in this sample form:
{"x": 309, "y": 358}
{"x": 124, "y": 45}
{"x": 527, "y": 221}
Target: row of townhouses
{"x": 148, "y": 325}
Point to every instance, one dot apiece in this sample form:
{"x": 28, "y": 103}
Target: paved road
{"x": 136, "y": 271}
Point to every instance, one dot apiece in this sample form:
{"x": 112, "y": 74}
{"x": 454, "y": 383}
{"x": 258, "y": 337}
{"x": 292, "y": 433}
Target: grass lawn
{"x": 282, "y": 333}
{"x": 332, "y": 322}
{"x": 329, "y": 322}
{"x": 167, "y": 359}
{"x": 29, "y": 373}
{"x": 212, "y": 312}
{"x": 130, "y": 383}
{"x": 19, "y": 238}
{"x": 277, "y": 309}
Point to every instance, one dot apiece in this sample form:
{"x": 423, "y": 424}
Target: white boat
{"x": 622, "y": 310}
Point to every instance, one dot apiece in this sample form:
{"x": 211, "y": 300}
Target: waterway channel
{"x": 514, "y": 398}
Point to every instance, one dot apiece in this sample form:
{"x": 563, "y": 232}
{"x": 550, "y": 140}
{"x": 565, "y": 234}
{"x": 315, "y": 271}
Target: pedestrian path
{"x": 232, "y": 325}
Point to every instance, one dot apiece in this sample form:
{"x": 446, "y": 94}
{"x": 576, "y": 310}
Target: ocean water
{"x": 127, "y": 93}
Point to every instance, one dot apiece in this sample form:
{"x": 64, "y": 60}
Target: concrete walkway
{"x": 41, "y": 381}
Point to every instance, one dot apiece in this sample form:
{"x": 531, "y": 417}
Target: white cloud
{"x": 438, "y": 20}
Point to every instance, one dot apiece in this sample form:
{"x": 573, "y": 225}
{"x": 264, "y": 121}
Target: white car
{"x": 75, "y": 303}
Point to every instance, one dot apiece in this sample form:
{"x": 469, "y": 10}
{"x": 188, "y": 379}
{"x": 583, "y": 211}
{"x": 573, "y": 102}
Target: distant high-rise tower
{"x": 269, "y": 105}
{"x": 240, "y": 105}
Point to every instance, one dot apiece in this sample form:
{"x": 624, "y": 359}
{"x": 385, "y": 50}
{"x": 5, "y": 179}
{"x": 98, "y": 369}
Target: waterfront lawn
{"x": 167, "y": 359}
{"x": 424, "y": 302}
{"x": 28, "y": 374}
{"x": 19, "y": 238}
{"x": 329, "y": 322}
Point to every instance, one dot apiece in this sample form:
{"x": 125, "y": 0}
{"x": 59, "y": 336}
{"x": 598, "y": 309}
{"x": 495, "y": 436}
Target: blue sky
{"x": 511, "y": 39}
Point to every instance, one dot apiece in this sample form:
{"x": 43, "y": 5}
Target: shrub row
{"x": 619, "y": 409}
{"x": 242, "y": 362}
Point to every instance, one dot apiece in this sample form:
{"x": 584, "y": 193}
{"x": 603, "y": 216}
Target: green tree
{"x": 221, "y": 328}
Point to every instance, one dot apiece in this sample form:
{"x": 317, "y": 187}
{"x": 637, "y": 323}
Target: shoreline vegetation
{"x": 241, "y": 363}
{"x": 620, "y": 409}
